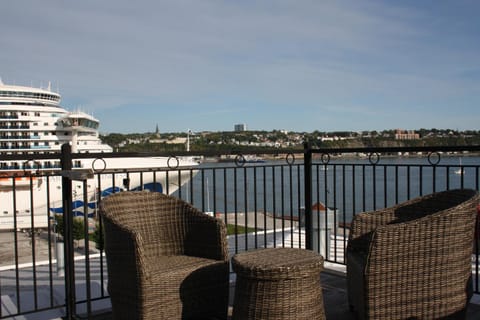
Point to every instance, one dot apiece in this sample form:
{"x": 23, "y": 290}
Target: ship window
{"x": 45, "y": 123}
{"x": 37, "y": 114}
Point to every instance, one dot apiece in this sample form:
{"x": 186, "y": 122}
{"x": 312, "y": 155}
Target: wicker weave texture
{"x": 166, "y": 259}
{"x": 278, "y": 283}
{"x": 413, "y": 260}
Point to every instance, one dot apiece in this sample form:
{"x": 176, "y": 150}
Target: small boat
{"x": 460, "y": 170}
{"x": 253, "y": 159}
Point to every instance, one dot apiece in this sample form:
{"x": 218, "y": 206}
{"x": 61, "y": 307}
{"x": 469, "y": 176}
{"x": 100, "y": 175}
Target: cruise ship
{"x": 32, "y": 123}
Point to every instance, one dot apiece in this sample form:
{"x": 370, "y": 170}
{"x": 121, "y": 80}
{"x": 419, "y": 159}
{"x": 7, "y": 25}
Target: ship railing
{"x": 263, "y": 202}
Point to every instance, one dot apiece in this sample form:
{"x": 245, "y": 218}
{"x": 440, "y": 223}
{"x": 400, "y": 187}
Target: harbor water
{"x": 347, "y": 185}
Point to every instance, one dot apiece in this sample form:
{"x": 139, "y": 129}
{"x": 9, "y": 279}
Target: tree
{"x": 78, "y": 227}
{"x": 98, "y": 237}
{"x": 113, "y": 139}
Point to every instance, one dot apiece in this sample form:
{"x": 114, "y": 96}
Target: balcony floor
{"x": 335, "y": 299}
{"x": 333, "y": 284}
{"x": 336, "y": 302}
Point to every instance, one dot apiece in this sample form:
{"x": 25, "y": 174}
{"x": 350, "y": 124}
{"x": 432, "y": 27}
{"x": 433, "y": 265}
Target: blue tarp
{"x": 79, "y": 204}
{"x": 110, "y": 191}
{"x": 154, "y": 187}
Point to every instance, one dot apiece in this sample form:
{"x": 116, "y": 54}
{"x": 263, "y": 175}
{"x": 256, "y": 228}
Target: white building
{"x": 240, "y": 127}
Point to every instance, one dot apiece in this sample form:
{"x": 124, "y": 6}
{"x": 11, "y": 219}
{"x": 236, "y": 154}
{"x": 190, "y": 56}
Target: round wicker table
{"x": 278, "y": 283}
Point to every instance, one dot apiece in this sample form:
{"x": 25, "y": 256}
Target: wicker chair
{"x": 413, "y": 260}
{"x": 166, "y": 260}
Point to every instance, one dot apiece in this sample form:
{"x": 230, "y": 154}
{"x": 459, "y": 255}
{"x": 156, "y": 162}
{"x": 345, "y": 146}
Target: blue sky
{"x": 272, "y": 64}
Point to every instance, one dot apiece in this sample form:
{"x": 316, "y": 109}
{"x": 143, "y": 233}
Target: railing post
{"x": 66, "y": 163}
{"x": 307, "y": 162}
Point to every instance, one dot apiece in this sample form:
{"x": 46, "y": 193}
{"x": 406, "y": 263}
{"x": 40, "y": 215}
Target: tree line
{"x": 277, "y": 139}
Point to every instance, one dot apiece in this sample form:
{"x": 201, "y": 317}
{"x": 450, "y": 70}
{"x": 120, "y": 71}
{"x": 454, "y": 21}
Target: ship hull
{"x": 32, "y": 203}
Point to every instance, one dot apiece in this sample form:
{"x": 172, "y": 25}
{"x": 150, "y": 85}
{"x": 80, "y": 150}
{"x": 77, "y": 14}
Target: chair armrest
{"x": 429, "y": 243}
{"x": 206, "y": 237}
{"x": 366, "y": 222}
{"x": 363, "y": 225}
{"x": 125, "y": 256}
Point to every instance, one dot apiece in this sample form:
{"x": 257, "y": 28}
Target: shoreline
{"x": 333, "y": 156}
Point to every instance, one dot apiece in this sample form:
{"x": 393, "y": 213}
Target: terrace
{"x": 267, "y": 198}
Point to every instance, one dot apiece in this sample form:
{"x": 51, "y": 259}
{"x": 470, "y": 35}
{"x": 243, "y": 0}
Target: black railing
{"x": 267, "y": 201}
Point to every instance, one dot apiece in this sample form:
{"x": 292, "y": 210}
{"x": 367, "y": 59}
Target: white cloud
{"x": 259, "y": 56}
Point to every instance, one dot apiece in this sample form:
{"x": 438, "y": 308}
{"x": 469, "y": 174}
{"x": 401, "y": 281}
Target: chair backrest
{"x": 445, "y": 202}
{"x": 159, "y": 219}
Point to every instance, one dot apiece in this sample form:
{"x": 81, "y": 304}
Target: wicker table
{"x": 278, "y": 283}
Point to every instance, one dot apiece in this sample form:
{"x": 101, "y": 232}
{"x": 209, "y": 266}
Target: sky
{"x": 298, "y": 65}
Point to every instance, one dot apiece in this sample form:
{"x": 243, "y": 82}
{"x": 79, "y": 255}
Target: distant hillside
{"x": 223, "y": 141}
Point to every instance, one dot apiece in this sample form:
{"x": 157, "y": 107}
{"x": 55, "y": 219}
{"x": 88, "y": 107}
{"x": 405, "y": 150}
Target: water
{"x": 349, "y": 185}
{"x": 355, "y": 185}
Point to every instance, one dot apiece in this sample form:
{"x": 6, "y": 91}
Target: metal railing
{"x": 262, "y": 199}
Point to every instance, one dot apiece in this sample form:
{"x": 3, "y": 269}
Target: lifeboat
{"x": 7, "y": 181}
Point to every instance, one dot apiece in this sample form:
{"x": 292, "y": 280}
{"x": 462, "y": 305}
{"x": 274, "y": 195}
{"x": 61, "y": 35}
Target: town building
{"x": 240, "y": 127}
{"x": 401, "y": 134}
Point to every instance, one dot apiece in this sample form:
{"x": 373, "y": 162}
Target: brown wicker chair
{"x": 413, "y": 260}
{"x": 166, "y": 259}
